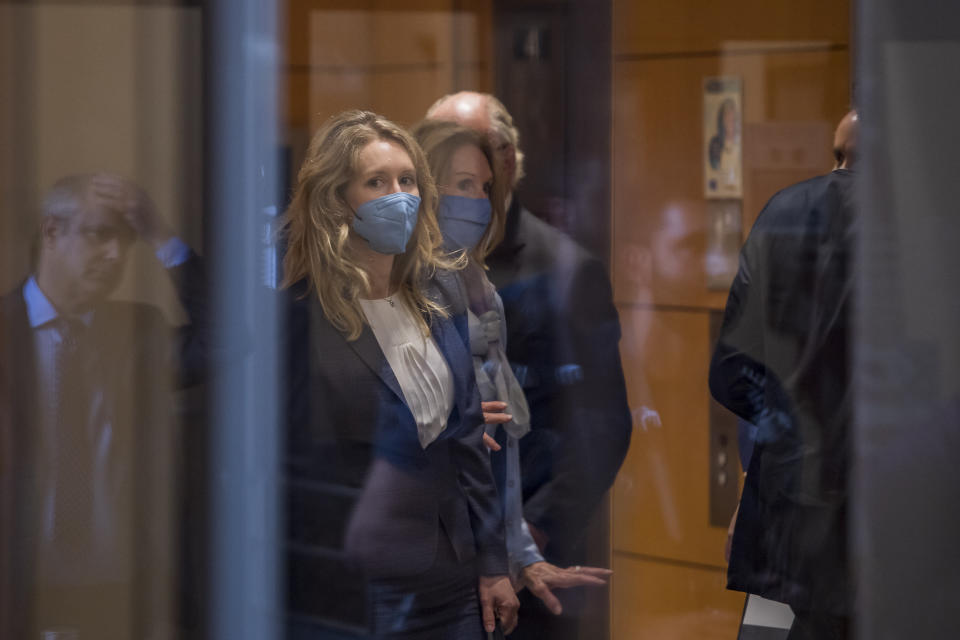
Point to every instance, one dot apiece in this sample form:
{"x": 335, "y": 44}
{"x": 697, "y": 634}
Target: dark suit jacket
{"x": 142, "y": 359}
{"x": 563, "y": 334}
{"x": 365, "y": 501}
{"x": 782, "y": 363}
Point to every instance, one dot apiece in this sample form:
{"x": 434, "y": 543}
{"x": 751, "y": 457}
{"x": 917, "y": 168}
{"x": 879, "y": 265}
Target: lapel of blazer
{"x": 449, "y": 334}
{"x": 368, "y": 349}
{"x": 450, "y": 341}
{"x": 452, "y": 334}
{"x": 122, "y": 342}
{"x": 108, "y": 338}
{"x": 365, "y": 347}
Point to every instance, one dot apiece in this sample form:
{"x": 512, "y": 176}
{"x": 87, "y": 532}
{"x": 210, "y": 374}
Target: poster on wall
{"x": 722, "y": 143}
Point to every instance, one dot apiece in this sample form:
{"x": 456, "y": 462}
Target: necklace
{"x": 390, "y": 300}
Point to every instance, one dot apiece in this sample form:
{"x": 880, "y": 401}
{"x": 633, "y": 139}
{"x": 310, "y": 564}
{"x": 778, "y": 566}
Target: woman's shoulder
{"x": 295, "y": 293}
{"x": 302, "y": 312}
{"x": 446, "y": 288}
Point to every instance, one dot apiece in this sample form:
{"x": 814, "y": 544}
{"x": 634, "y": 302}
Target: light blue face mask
{"x": 387, "y": 222}
{"x": 463, "y": 221}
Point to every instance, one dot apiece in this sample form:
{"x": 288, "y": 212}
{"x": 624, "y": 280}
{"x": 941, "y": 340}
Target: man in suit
{"x": 85, "y": 430}
{"x": 562, "y": 342}
{"x": 782, "y": 363}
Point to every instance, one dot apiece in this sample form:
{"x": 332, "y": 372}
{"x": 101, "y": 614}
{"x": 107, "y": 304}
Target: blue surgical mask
{"x": 463, "y": 221}
{"x": 387, "y": 222}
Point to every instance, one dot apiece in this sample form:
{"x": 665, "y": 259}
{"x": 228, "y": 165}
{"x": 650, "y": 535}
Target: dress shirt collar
{"x": 40, "y": 310}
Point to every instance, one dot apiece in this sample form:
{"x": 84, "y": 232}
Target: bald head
{"x": 468, "y": 108}
{"x": 484, "y": 113}
{"x": 845, "y": 141}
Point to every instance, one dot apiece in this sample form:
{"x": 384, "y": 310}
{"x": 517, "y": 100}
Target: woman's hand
{"x": 498, "y": 600}
{"x": 493, "y": 414}
{"x": 541, "y": 577}
{"x": 491, "y": 443}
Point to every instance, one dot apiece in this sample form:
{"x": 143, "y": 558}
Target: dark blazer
{"x": 782, "y": 363}
{"x": 563, "y": 336}
{"x": 142, "y": 359}
{"x": 365, "y": 501}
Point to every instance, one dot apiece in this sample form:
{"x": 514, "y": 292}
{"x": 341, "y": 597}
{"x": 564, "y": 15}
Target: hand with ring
{"x": 541, "y": 577}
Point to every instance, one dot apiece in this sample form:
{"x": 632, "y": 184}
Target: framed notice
{"x": 722, "y": 143}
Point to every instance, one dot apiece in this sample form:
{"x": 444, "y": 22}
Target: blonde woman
{"x": 471, "y": 217}
{"x": 385, "y": 421}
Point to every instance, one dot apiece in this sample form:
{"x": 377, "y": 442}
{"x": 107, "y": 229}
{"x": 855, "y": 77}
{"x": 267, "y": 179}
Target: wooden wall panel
{"x": 473, "y": 33}
{"x": 683, "y": 26}
{"x": 393, "y": 57}
{"x": 795, "y": 67}
{"x": 297, "y": 107}
{"x": 672, "y": 601}
{"x": 394, "y": 38}
{"x": 402, "y": 96}
{"x": 660, "y": 498}
{"x": 792, "y": 102}
{"x": 405, "y": 96}
{"x": 301, "y": 37}
{"x": 476, "y": 76}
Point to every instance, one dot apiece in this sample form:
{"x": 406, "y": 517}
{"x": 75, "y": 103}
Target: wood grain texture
{"x": 792, "y": 102}
{"x": 395, "y": 58}
{"x": 660, "y": 498}
{"x": 700, "y": 25}
{"x": 672, "y": 602}
{"x": 669, "y": 578}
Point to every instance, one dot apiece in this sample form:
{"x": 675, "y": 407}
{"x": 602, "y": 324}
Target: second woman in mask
{"x": 471, "y": 217}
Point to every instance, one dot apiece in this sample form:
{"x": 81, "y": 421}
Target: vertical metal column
{"x": 905, "y": 503}
{"x": 244, "y": 53}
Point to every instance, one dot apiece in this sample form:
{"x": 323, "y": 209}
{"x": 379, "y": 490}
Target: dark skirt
{"x": 440, "y": 604}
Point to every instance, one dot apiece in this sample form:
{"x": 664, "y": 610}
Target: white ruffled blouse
{"x": 420, "y": 368}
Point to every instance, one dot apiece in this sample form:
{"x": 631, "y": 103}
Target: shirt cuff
{"x": 528, "y": 552}
{"x": 173, "y": 253}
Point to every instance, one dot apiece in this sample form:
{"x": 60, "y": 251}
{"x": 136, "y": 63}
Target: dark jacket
{"x": 142, "y": 359}
{"x": 782, "y": 363}
{"x": 563, "y": 337}
{"x": 365, "y": 500}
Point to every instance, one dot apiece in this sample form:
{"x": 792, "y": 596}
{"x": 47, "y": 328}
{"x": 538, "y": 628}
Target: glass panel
{"x": 104, "y": 318}
{"x": 709, "y": 124}
{"x": 906, "y": 360}
{"x": 138, "y": 495}
{"x": 261, "y": 263}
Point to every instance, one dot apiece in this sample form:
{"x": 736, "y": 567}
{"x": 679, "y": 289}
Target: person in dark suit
{"x": 782, "y": 363}
{"x": 387, "y": 471}
{"x": 85, "y": 434}
{"x": 562, "y": 342}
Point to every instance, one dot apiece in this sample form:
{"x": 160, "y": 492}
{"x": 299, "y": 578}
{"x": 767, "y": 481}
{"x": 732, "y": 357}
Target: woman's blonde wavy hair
{"x": 441, "y": 139}
{"x": 317, "y": 225}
